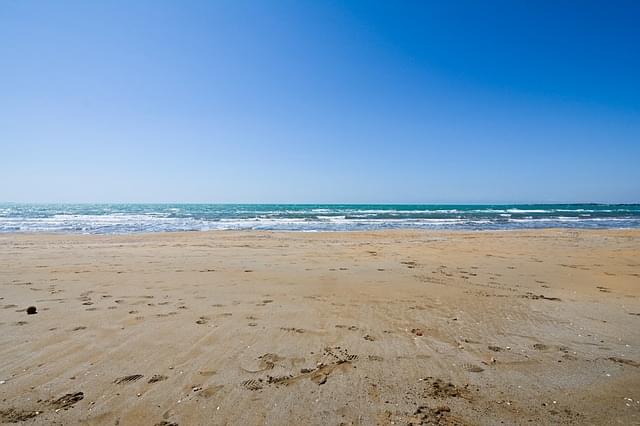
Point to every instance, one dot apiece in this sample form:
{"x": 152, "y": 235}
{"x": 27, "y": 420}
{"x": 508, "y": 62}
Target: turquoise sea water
{"x": 130, "y": 218}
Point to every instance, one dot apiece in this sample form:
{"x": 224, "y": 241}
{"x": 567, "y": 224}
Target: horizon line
{"x": 501, "y": 203}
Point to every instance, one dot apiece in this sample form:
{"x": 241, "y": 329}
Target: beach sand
{"x": 249, "y": 328}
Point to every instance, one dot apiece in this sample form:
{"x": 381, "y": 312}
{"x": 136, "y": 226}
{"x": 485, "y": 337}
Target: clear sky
{"x": 319, "y": 101}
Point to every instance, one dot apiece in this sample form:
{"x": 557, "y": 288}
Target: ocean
{"x": 134, "y": 218}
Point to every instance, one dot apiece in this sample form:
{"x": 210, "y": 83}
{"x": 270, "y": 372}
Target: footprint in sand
{"x": 319, "y": 377}
{"x": 278, "y": 380}
{"x": 252, "y": 384}
{"x": 349, "y": 327}
{"x": 545, "y": 348}
{"x": 540, "y": 347}
{"x": 440, "y": 415}
{"x": 269, "y": 360}
{"x": 67, "y": 400}
{"x": 210, "y": 391}
{"x": 625, "y": 361}
{"x": 438, "y": 388}
{"x": 15, "y": 415}
{"x": 472, "y": 368}
{"x": 261, "y": 363}
{"x": 342, "y": 354}
{"x": 157, "y": 378}
{"x": 128, "y": 379}
{"x": 292, "y": 329}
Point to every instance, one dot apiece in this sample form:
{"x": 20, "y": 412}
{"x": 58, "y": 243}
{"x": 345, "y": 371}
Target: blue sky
{"x": 319, "y": 101}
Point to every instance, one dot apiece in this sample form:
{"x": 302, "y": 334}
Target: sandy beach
{"x": 251, "y": 328}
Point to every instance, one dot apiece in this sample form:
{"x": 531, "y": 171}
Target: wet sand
{"x": 394, "y": 327}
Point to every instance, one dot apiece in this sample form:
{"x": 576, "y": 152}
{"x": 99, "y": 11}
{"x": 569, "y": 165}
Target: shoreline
{"x": 325, "y": 232}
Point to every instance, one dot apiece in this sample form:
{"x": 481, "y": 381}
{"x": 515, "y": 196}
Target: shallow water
{"x": 130, "y": 218}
